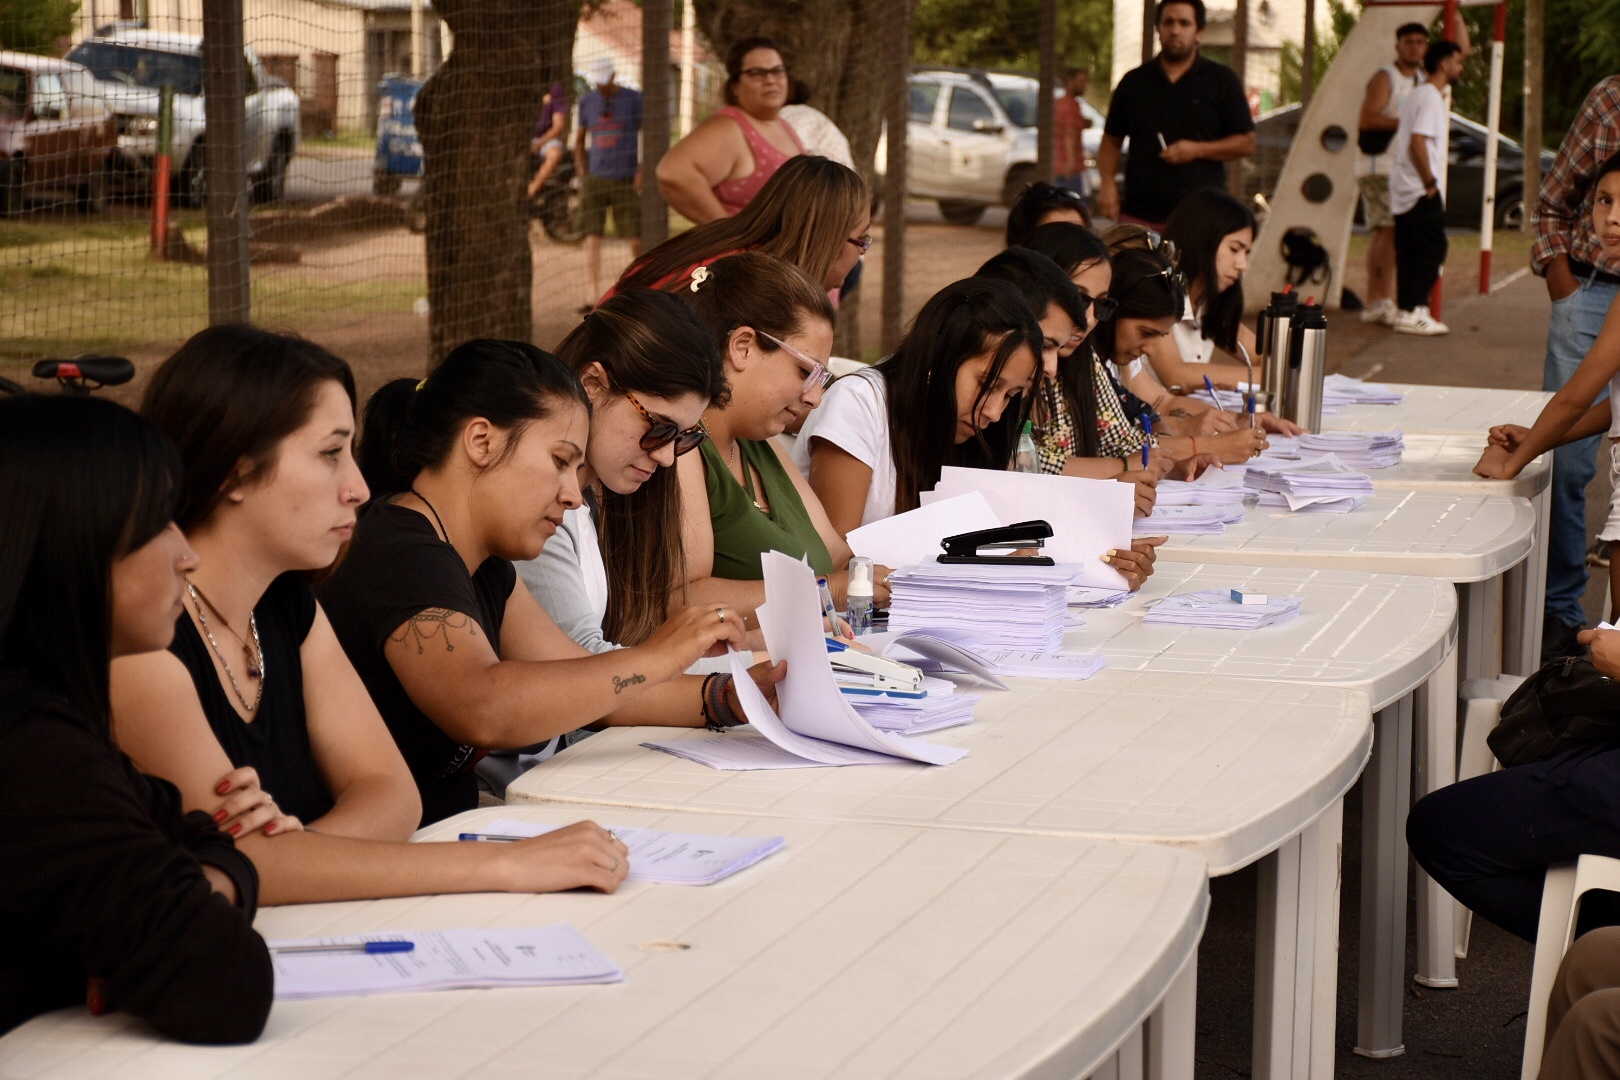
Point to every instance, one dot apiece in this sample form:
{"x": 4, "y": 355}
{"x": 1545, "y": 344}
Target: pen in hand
{"x": 371, "y": 947}
{"x": 1213, "y": 396}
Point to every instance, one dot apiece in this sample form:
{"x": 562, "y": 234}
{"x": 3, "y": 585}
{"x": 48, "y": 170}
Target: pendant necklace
{"x": 255, "y": 654}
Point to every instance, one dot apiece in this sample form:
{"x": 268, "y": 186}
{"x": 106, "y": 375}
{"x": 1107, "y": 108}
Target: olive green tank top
{"x": 743, "y": 532}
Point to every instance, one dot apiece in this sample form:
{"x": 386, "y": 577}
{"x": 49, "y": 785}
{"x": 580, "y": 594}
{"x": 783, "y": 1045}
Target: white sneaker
{"x": 1381, "y": 312}
{"x": 1419, "y": 321}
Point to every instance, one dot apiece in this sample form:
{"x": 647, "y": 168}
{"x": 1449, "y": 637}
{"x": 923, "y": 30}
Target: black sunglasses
{"x": 660, "y": 433}
{"x": 1105, "y": 307}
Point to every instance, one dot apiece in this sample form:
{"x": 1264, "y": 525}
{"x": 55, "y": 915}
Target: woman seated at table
{"x": 1042, "y": 204}
{"x": 112, "y": 893}
{"x": 473, "y": 469}
{"x": 1213, "y": 233}
{"x": 741, "y": 495}
{"x": 651, "y": 369}
{"x": 256, "y": 675}
{"x": 1149, "y": 298}
{"x": 1574, "y": 413}
{"x": 814, "y": 213}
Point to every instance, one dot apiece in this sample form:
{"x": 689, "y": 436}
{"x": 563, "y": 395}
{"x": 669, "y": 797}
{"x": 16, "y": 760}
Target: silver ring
{"x": 615, "y": 867}
{"x": 722, "y": 613}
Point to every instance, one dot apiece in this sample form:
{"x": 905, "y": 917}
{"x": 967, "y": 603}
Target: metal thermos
{"x": 1307, "y": 367}
{"x": 1271, "y": 343}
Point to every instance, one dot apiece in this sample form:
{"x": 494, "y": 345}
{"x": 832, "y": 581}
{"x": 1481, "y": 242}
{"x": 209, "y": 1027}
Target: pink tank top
{"x": 736, "y": 194}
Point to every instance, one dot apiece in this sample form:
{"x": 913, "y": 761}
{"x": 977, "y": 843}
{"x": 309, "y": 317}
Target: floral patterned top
{"x": 1119, "y": 424}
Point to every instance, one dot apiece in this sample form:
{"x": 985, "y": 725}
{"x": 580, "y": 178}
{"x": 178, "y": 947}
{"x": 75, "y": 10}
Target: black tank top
{"x": 276, "y": 742}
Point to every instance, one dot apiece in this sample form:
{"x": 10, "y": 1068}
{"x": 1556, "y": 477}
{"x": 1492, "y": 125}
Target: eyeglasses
{"x": 777, "y": 72}
{"x": 818, "y": 376}
{"x": 660, "y": 433}
{"x": 1105, "y": 307}
{"x": 862, "y": 242}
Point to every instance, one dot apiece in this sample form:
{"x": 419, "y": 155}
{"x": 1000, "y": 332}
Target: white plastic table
{"x": 858, "y": 950}
{"x": 1235, "y": 770}
{"x": 1445, "y": 463}
{"x": 1391, "y": 637}
{"x": 1443, "y": 410}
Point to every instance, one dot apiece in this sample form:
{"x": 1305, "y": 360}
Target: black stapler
{"x": 966, "y": 547}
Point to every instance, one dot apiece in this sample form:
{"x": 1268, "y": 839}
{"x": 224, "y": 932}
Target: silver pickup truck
{"x": 134, "y": 65}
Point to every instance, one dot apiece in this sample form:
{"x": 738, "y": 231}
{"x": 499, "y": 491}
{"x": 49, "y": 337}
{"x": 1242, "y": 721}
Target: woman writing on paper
{"x": 111, "y": 891}
{"x": 256, "y": 676}
{"x": 1212, "y": 232}
{"x": 741, "y": 495}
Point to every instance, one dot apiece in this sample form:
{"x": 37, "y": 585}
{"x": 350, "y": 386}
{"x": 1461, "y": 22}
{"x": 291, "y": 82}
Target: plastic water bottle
{"x": 1024, "y": 458}
{"x": 859, "y": 593}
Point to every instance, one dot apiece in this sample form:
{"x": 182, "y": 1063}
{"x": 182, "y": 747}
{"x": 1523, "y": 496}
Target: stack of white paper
{"x": 1214, "y": 487}
{"x": 1083, "y": 596}
{"x": 1358, "y": 449}
{"x": 942, "y": 708}
{"x": 1344, "y": 390}
{"x": 937, "y": 649}
{"x": 1216, "y": 608}
{"x": 1186, "y": 520}
{"x": 1009, "y": 607}
{"x": 662, "y": 858}
{"x": 1321, "y": 484}
{"x": 1046, "y": 665}
{"x": 1227, "y": 400}
{"x": 443, "y": 960}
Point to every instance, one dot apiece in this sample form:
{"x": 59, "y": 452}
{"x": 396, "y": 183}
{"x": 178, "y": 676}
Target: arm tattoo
{"x": 1180, "y": 414}
{"x": 434, "y": 624}
{"x": 619, "y": 684}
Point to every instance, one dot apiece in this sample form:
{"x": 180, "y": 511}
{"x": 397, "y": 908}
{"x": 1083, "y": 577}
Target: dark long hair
{"x": 1070, "y": 246}
{"x": 411, "y": 425}
{"x": 1201, "y": 220}
{"x": 85, "y": 482}
{"x": 228, "y": 396}
{"x": 802, "y": 215}
{"x": 1036, "y": 201}
{"x": 958, "y": 323}
{"x": 760, "y": 291}
{"x": 648, "y": 343}
{"x": 1146, "y": 287}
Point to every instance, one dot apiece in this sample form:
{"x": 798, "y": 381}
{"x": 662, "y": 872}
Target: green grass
{"x": 96, "y": 287}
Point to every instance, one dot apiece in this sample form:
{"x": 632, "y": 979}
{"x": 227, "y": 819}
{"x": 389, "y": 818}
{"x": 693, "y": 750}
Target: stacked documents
{"x": 441, "y": 960}
{"x": 1084, "y": 596}
{"x": 1226, "y": 400}
{"x": 1214, "y": 487}
{"x": 662, "y": 858}
{"x": 1007, "y": 607}
{"x": 1344, "y": 390}
{"x": 1186, "y": 520}
{"x": 942, "y": 708}
{"x": 1321, "y": 484}
{"x": 1357, "y": 449}
{"x": 1216, "y": 608}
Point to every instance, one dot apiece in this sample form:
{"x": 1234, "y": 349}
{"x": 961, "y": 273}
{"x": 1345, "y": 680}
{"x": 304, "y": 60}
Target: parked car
{"x": 971, "y": 140}
{"x": 1465, "y": 167}
{"x": 57, "y": 134}
{"x": 133, "y": 65}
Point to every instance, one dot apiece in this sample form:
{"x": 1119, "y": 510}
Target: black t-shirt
{"x": 397, "y": 568}
{"x": 104, "y": 877}
{"x": 1205, "y": 104}
{"x": 276, "y": 740}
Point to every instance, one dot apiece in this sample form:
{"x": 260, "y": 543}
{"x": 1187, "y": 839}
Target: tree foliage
{"x": 1291, "y": 78}
{"x": 1003, "y": 33}
{"x": 36, "y": 26}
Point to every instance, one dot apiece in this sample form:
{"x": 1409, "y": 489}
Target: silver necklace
{"x": 255, "y": 655}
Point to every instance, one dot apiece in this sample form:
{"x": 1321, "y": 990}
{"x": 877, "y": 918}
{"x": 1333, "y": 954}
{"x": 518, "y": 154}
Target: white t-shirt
{"x": 1422, "y": 113}
{"x": 1400, "y": 86}
{"x": 854, "y": 416}
{"x": 1188, "y": 334}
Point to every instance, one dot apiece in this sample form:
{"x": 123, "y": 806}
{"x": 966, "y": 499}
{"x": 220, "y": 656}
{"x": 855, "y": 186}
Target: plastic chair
{"x": 1560, "y": 903}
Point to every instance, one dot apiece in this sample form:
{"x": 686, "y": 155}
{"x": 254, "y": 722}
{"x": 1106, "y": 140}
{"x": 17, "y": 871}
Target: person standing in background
{"x": 1417, "y": 162}
{"x": 1069, "y": 126}
{"x": 816, "y": 130}
{"x": 1186, "y": 117}
{"x": 1582, "y": 283}
{"x": 550, "y": 135}
{"x": 610, "y": 116}
{"x": 1380, "y": 116}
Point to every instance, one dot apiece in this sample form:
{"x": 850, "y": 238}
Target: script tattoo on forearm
{"x": 619, "y": 684}
{"x": 1180, "y": 413}
{"x": 434, "y": 624}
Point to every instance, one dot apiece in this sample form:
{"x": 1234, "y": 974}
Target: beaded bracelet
{"x": 717, "y": 712}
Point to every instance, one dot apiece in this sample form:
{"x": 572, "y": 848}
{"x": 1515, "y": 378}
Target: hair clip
{"x": 699, "y": 276}
{"x": 420, "y": 385}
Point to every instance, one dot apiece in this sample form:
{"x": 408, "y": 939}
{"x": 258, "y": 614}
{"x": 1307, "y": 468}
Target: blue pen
{"x": 834, "y": 645}
{"x": 829, "y": 610}
{"x": 1213, "y": 396}
{"x": 370, "y": 947}
{"x": 1147, "y": 430}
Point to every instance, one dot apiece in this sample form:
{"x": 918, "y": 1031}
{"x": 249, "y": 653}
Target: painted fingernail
{"x": 219, "y": 816}
{"x": 235, "y": 829}
{"x": 270, "y": 828}
{"x": 222, "y": 787}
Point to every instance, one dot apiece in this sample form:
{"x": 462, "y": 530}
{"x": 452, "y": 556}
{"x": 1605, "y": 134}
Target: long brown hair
{"x": 802, "y": 215}
{"x": 651, "y": 343}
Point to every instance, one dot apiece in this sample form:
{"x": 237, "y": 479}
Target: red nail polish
{"x": 270, "y": 828}
{"x": 222, "y": 787}
{"x": 234, "y": 829}
{"x": 220, "y": 816}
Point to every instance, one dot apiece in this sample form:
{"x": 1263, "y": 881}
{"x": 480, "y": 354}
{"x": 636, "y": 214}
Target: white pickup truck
{"x": 134, "y": 65}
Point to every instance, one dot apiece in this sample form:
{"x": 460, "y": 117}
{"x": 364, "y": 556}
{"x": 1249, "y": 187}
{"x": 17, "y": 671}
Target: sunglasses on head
{"x": 660, "y": 433}
{"x": 816, "y": 376}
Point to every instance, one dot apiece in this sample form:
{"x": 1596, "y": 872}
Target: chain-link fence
{"x": 172, "y": 162}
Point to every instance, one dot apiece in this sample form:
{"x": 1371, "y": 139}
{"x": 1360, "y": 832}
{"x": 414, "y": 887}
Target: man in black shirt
{"x": 1185, "y": 117}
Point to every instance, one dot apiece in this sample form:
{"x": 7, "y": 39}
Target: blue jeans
{"x": 1571, "y": 332}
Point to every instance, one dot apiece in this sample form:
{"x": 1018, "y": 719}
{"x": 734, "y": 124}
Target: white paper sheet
{"x": 737, "y": 752}
{"x": 764, "y": 719}
{"x": 663, "y": 858}
{"x": 914, "y": 536}
{"x": 1088, "y": 517}
{"x": 443, "y": 960}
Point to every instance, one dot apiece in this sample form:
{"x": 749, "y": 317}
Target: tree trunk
{"x": 475, "y": 117}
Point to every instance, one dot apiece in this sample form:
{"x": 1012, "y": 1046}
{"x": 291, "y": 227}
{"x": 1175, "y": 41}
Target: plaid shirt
{"x": 1563, "y": 217}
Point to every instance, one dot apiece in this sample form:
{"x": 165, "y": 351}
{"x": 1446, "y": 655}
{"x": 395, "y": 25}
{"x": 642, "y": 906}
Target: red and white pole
{"x": 1487, "y": 213}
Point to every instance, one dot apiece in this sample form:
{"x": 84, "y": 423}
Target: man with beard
{"x": 1185, "y": 117}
